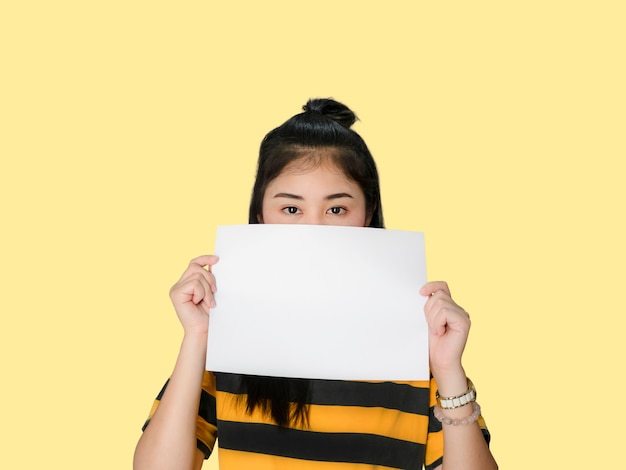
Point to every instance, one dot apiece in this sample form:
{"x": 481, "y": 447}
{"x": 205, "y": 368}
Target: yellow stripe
{"x": 206, "y": 432}
{"x": 434, "y": 449}
{"x": 155, "y": 405}
{"x": 380, "y": 421}
{"x": 324, "y": 418}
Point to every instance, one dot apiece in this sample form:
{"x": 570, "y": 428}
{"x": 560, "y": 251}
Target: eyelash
{"x": 342, "y": 210}
{"x": 288, "y": 210}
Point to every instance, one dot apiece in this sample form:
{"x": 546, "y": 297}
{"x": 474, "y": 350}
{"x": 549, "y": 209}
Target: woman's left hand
{"x": 448, "y": 328}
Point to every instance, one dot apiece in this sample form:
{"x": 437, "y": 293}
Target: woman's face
{"x": 318, "y": 195}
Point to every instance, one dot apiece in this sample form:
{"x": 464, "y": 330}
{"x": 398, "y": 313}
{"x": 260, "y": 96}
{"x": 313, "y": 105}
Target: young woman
{"x": 314, "y": 169}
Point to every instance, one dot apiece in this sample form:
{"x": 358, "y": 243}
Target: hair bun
{"x": 331, "y": 109}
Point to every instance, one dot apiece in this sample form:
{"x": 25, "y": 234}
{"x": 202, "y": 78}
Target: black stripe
{"x": 207, "y": 408}
{"x": 402, "y": 397}
{"x": 486, "y": 435}
{"x": 204, "y": 449}
{"x": 389, "y": 395}
{"x": 435, "y": 464}
{"x": 229, "y": 383}
{"x": 160, "y": 395}
{"x": 434, "y": 425}
{"x": 366, "y": 449}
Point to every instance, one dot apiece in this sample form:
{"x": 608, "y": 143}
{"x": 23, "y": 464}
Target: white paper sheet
{"x": 319, "y": 302}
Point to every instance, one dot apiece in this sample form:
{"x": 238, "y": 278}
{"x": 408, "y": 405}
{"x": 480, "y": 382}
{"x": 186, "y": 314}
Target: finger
{"x": 202, "y": 291}
{"x": 438, "y": 300}
{"x": 197, "y": 270}
{"x": 209, "y": 298}
{"x": 434, "y": 286}
{"x": 448, "y": 317}
{"x": 195, "y": 289}
{"x": 207, "y": 261}
{"x": 204, "y": 260}
{"x": 202, "y": 297}
{"x": 206, "y": 310}
{"x": 437, "y": 322}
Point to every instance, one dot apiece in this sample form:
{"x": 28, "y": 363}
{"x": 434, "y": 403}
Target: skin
{"x": 317, "y": 196}
{"x": 301, "y": 194}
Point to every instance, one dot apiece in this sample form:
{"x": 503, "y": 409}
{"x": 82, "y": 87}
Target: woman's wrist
{"x": 462, "y": 418}
{"x": 195, "y": 340}
{"x": 199, "y": 328}
{"x": 452, "y": 382}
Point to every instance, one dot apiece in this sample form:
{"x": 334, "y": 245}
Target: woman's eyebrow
{"x": 289, "y": 196}
{"x": 300, "y": 198}
{"x": 338, "y": 196}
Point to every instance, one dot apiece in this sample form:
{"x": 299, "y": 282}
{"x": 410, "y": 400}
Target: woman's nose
{"x": 313, "y": 219}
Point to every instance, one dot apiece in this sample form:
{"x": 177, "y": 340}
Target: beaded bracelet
{"x": 456, "y": 421}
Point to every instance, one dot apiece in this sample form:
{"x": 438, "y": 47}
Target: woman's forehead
{"x": 312, "y": 160}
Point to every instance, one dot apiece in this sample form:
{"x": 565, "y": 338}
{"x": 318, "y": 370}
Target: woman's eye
{"x": 337, "y": 210}
{"x": 290, "y": 210}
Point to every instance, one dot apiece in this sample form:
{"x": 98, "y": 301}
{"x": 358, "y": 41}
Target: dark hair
{"x": 324, "y": 125}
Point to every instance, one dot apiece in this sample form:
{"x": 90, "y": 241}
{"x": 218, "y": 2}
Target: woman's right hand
{"x": 192, "y": 295}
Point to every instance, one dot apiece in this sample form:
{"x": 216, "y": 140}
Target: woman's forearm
{"x": 169, "y": 441}
{"x": 464, "y": 444}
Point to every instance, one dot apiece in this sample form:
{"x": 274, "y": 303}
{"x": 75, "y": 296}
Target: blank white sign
{"x": 319, "y": 302}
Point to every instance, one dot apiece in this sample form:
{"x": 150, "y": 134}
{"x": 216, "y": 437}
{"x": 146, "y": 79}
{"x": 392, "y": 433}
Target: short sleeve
{"x": 206, "y": 421}
{"x": 433, "y": 456}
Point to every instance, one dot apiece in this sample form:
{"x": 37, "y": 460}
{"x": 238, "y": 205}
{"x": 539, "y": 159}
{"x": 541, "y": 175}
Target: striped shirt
{"x": 351, "y": 426}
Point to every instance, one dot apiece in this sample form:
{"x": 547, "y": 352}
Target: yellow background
{"x": 130, "y": 130}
